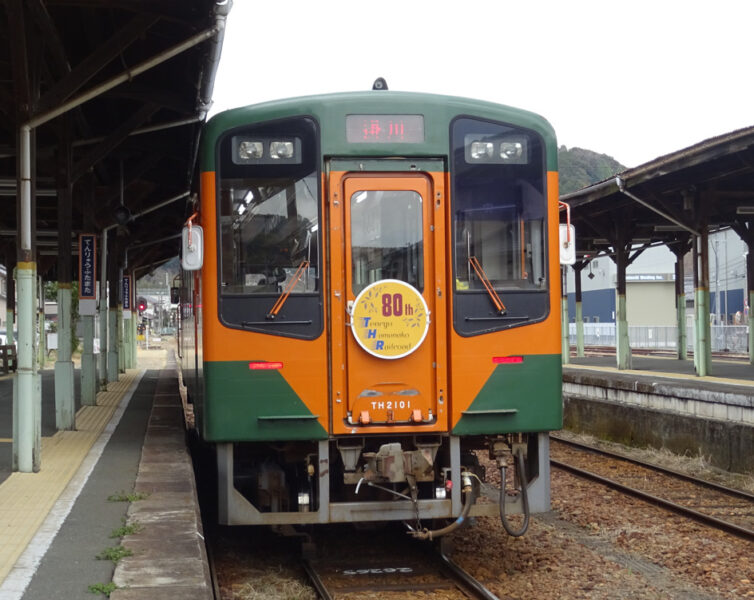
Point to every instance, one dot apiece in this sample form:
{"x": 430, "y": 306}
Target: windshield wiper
{"x": 487, "y": 285}
{"x": 288, "y": 289}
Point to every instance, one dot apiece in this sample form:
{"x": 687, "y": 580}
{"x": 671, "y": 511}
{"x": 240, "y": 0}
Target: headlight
{"x": 266, "y": 150}
{"x": 248, "y": 150}
{"x": 511, "y": 151}
{"x": 281, "y": 150}
{"x": 482, "y": 150}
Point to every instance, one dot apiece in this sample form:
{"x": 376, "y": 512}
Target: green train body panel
{"x": 330, "y": 110}
{"x": 254, "y": 406}
{"x": 517, "y": 398}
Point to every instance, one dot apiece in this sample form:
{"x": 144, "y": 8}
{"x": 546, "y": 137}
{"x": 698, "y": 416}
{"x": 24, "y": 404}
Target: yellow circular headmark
{"x": 389, "y": 319}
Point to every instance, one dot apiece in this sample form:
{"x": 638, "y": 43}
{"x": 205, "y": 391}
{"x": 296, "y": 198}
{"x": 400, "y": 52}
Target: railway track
{"x": 425, "y": 572}
{"x": 715, "y": 505}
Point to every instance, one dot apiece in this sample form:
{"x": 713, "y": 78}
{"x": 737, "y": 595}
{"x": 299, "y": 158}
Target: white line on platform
{"x": 19, "y": 577}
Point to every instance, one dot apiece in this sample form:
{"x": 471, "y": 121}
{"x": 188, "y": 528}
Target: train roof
{"x": 329, "y": 110}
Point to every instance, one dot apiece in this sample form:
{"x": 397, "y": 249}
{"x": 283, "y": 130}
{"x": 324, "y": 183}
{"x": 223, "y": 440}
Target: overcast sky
{"x": 634, "y": 80}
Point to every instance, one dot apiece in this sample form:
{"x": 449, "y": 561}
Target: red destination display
{"x": 385, "y": 129}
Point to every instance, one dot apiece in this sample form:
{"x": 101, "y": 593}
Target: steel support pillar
{"x": 750, "y": 295}
{"x": 88, "y": 363}
{"x": 622, "y": 342}
{"x": 27, "y": 398}
{"x": 577, "y": 268}
{"x": 27, "y": 408}
{"x": 680, "y": 303}
{"x": 566, "y": 343}
{"x": 121, "y": 340}
{"x": 65, "y": 406}
{"x": 112, "y": 346}
{"x": 103, "y": 315}
{"x": 40, "y": 322}
{"x": 702, "y": 347}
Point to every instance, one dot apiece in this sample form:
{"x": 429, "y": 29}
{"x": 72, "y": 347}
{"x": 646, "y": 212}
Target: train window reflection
{"x": 268, "y": 227}
{"x": 386, "y": 238}
{"x": 499, "y": 213}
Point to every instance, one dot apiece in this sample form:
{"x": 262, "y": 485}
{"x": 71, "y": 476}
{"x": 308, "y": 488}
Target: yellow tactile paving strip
{"x": 27, "y": 498}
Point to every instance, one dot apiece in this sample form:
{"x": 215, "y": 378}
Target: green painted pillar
{"x": 121, "y": 341}
{"x": 703, "y": 361}
{"x": 622, "y": 343}
{"x": 565, "y": 348}
{"x": 751, "y": 329}
{"x": 112, "y": 345}
{"x": 104, "y": 318}
{"x": 702, "y": 347}
{"x": 65, "y": 406}
{"x": 680, "y": 304}
{"x": 750, "y": 286}
{"x": 88, "y": 363}
{"x": 42, "y": 343}
{"x": 578, "y": 267}
{"x": 126, "y": 350}
{"x": 681, "y": 323}
{"x": 10, "y": 323}
{"x": 27, "y": 409}
{"x": 134, "y": 322}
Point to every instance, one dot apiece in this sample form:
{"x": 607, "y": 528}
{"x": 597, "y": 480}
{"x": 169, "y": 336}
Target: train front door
{"x": 387, "y": 251}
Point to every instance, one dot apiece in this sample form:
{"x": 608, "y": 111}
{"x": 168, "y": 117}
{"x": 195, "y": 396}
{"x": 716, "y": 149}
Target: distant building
{"x": 650, "y": 285}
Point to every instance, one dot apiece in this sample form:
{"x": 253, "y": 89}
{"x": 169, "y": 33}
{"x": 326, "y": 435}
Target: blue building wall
{"x": 601, "y": 304}
{"x": 735, "y": 303}
{"x": 596, "y": 303}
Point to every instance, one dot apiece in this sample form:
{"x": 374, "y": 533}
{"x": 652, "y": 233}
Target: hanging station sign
{"x": 127, "y": 295}
{"x": 87, "y": 274}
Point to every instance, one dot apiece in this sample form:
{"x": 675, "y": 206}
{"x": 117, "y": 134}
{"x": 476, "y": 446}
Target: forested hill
{"x": 580, "y": 168}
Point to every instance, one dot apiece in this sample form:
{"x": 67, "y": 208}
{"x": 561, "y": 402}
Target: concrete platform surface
{"x": 723, "y": 371}
{"x": 54, "y": 524}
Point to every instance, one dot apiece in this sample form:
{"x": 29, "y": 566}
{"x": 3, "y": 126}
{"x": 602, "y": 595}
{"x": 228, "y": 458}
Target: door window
{"x": 386, "y": 238}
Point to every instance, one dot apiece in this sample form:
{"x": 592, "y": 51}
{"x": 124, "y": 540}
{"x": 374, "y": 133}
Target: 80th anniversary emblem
{"x": 389, "y": 319}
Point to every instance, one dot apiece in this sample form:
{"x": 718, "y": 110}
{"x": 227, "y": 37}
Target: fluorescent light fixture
{"x": 668, "y": 228}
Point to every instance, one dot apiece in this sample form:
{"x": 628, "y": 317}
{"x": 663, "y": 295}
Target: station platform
{"x": 662, "y": 403}
{"x": 125, "y": 465}
{"x": 733, "y": 371}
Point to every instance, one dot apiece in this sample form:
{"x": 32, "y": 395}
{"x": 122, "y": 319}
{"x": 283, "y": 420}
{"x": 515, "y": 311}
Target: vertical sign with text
{"x": 87, "y": 273}
{"x": 127, "y": 297}
{"x": 87, "y": 266}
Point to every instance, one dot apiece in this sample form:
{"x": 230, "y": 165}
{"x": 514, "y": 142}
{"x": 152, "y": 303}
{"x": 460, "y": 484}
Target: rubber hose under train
{"x": 524, "y": 498}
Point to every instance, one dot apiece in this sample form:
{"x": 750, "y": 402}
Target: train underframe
{"x": 410, "y": 478}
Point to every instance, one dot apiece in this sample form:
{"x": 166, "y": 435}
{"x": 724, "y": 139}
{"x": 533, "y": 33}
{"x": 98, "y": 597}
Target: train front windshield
{"x": 269, "y": 228}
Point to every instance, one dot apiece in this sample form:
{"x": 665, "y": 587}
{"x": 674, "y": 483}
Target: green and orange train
{"x": 377, "y": 308}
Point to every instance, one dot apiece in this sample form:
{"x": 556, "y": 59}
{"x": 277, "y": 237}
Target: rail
{"x": 707, "y": 519}
{"x": 437, "y": 573}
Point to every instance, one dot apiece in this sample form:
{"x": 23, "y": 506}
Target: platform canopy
{"x": 132, "y": 80}
{"x": 665, "y": 201}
